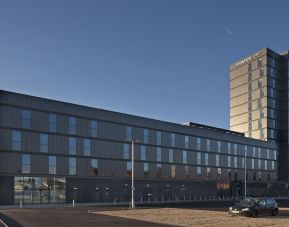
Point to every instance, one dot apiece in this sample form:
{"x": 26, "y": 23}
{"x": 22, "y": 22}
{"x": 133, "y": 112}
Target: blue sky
{"x": 161, "y": 59}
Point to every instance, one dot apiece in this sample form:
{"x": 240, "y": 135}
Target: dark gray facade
{"x": 54, "y": 152}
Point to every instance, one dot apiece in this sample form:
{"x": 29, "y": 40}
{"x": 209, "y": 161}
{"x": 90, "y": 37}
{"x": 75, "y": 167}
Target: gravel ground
{"x": 199, "y": 217}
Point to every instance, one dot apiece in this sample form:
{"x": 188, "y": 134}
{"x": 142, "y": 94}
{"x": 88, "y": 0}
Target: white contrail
{"x": 227, "y": 30}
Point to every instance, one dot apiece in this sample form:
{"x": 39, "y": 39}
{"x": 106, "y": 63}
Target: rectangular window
{"x": 52, "y": 164}
{"x": 72, "y": 166}
{"x": 199, "y": 158}
{"x": 235, "y": 149}
{"x": 208, "y": 145}
{"x": 219, "y": 146}
{"x": 253, "y": 163}
{"x": 219, "y": 173}
{"x": 246, "y": 150}
{"x": 259, "y": 152}
{"x": 72, "y": 146}
{"x": 259, "y": 163}
{"x": 198, "y": 144}
{"x": 72, "y": 125}
{"x": 52, "y": 122}
{"x": 229, "y": 148}
{"x": 273, "y": 165}
{"x": 217, "y": 160}
{"x": 186, "y": 142}
{"x": 171, "y": 155}
{"x": 43, "y": 143}
{"x": 159, "y": 154}
{"x": 26, "y": 119}
{"x": 266, "y": 164}
{"x": 128, "y": 133}
{"x": 199, "y": 170}
{"x": 125, "y": 151}
{"x": 146, "y": 136}
{"x": 93, "y": 128}
{"x": 254, "y": 152}
{"x": 159, "y": 138}
{"x": 94, "y": 166}
{"x": 229, "y": 161}
{"x": 184, "y": 157}
{"x": 143, "y": 154}
{"x": 173, "y": 140}
{"x": 26, "y": 163}
{"x": 187, "y": 174}
{"x": 268, "y": 154}
{"x": 128, "y": 169}
{"x": 16, "y": 140}
{"x": 159, "y": 170}
{"x": 86, "y": 147}
{"x": 206, "y": 159}
{"x": 235, "y": 162}
{"x": 173, "y": 171}
{"x": 275, "y": 155}
{"x": 208, "y": 174}
{"x": 146, "y": 169}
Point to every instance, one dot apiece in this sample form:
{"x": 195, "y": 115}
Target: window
{"x": 52, "y": 164}
{"x": 208, "y": 174}
{"x": 128, "y": 169}
{"x": 265, "y": 164}
{"x": 235, "y": 162}
{"x": 125, "y": 151}
{"x": 198, "y": 144}
{"x": 229, "y": 148}
{"x": 235, "y": 149}
{"x": 171, "y": 155}
{"x": 72, "y": 166}
{"x": 93, "y": 128}
{"x": 206, "y": 159}
{"x": 268, "y": 154}
{"x": 273, "y": 165}
{"x": 146, "y": 136}
{"x": 26, "y": 118}
{"x": 186, "y": 142}
{"x": 259, "y": 62}
{"x": 26, "y": 163}
{"x": 259, "y": 163}
{"x": 259, "y": 152}
{"x": 16, "y": 140}
{"x": 208, "y": 145}
{"x": 146, "y": 169}
{"x": 72, "y": 125}
{"x": 219, "y": 146}
{"x": 253, "y": 163}
{"x": 128, "y": 133}
{"x": 43, "y": 143}
{"x": 159, "y": 170}
{"x": 184, "y": 157}
{"x": 199, "y": 158}
{"x": 219, "y": 173}
{"x": 72, "y": 146}
{"x": 199, "y": 170}
{"x": 143, "y": 153}
{"x": 187, "y": 172}
{"x": 173, "y": 171}
{"x": 254, "y": 152}
{"x": 275, "y": 155}
{"x": 159, "y": 154}
{"x": 173, "y": 140}
{"x": 52, "y": 122}
{"x": 86, "y": 147}
{"x": 159, "y": 138}
{"x": 217, "y": 160}
{"x": 94, "y": 167}
{"x": 246, "y": 150}
{"x": 229, "y": 161}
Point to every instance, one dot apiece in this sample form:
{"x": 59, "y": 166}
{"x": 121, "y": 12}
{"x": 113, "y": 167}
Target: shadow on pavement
{"x": 9, "y": 221}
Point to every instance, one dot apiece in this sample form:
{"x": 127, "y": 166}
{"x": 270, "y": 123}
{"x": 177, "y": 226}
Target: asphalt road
{"x": 78, "y": 216}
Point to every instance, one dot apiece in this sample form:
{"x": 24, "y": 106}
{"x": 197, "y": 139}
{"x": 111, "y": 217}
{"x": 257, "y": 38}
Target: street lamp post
{"x": 132, "y": 176}
{"x": 245, "y": 165}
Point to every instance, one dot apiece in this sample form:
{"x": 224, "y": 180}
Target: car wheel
{"x": 254, "y": 214}
{"x": 274, "y": 212}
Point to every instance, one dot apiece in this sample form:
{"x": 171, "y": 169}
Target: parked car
{"x": 253, "y": 207}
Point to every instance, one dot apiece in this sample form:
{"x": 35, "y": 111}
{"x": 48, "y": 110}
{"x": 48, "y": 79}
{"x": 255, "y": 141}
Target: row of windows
{"x": 72, "y": 147}
{"x": 72, "y": 121}
{"x": 26, "y": 167}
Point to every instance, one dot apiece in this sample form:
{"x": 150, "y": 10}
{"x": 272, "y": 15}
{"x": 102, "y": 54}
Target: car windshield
{"x": 248, "y": 202}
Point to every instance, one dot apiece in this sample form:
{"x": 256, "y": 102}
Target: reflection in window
{"x": 72, "y": 125}
{"x": 128, "y": 133}
{"x": 43, "y": 143}
{"x": 199, "y": 171}
{"x": 16, "y": 140}
{"x": 173, "y": 171}
{"x": 26, "y": 118}
{"x": 159, "y": 138}
{"x": 186, "y": 142}
{"x": 217, "y": 160}
{"x": 72, "y": 166}
{"x": 52, "y": 164}
{"x": 173, "y": 140}
{"x": 187, "y": 172}
{"x": 94, "y": 167}
{"x": 72, "y": 146}
{"x": 146, "y": 136}
{"x": 184, "y": 157}
{"x": 159, "y": 154}
{"x": 26, "y": 163}
{"x": 86, "y": 147}
{"x": 208, "y": 145}
{"x": 171, "y": 155}
{"x": 159, "y": 170}
{"x": 125, "y": 151}
{"x": 143, "y": 153}
{"x": 146, "y": 169}
{"x": 128, "y": 169}
{"x": 52, "y": 122}
{"x": 93, "y": 128}
{"x": 208, "y": 173}
{"x": 198, "y": 144}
